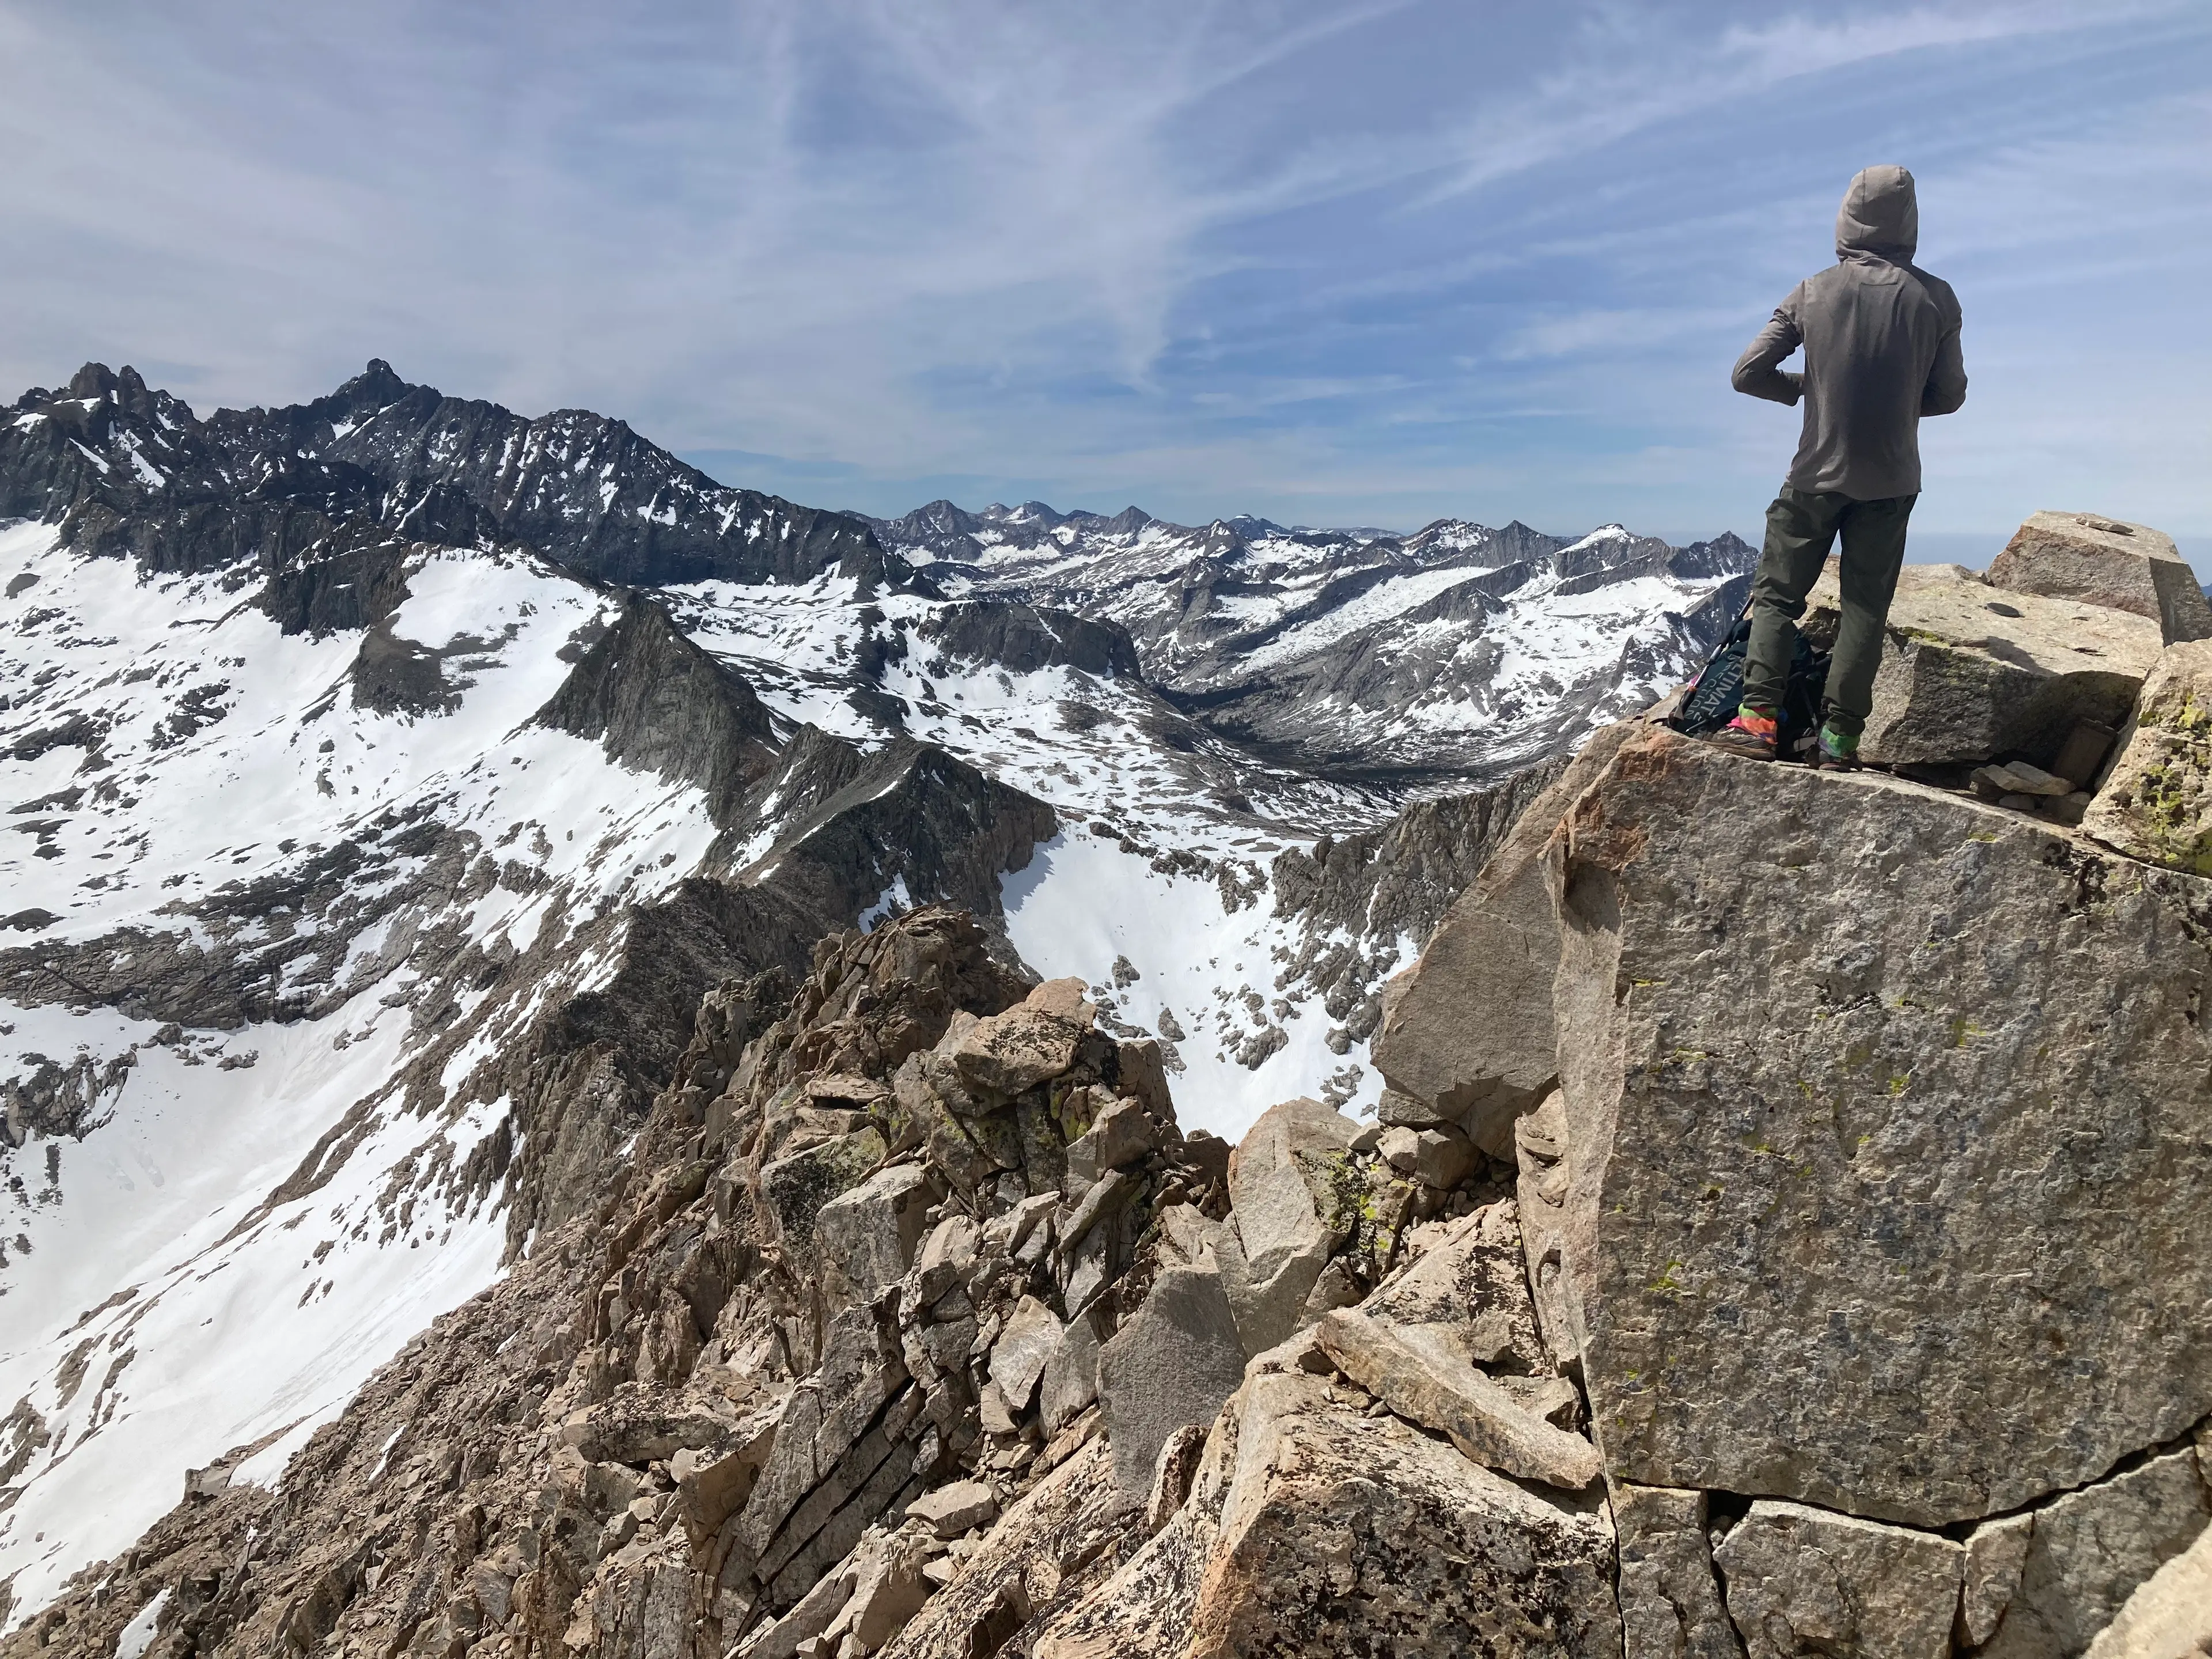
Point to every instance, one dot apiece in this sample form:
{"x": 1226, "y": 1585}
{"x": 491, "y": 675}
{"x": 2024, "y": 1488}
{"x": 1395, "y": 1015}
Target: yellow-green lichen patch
{"x": 2171, "y": 798}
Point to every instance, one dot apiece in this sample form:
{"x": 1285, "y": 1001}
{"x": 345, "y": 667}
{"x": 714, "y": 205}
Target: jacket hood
{"x": 1880, "y": 215}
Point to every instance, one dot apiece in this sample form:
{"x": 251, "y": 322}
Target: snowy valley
{"x": 388, "y": 777}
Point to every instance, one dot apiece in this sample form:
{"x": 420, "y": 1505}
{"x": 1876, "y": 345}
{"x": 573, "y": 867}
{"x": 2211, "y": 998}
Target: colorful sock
{"x": 1760, "y": 720}
{"x": 1840, "y": 746}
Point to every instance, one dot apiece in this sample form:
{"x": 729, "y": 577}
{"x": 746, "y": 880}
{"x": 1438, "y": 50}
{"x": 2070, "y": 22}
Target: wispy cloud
{"x": 1367, "y": 261}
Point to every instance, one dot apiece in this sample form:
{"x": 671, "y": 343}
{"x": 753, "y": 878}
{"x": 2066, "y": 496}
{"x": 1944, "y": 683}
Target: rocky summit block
{"x": 2122, "y": 567}
{"x": 1972, "y": 672}
{"x": 2157, "y": 804}
{"x": 1886, "y": 1138}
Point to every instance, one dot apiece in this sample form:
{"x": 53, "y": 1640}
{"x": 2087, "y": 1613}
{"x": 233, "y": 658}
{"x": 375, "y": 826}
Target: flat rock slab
{"x": 1172, "y": 1363}
{"x": 1887, "y": 1138}
{"x": 952, "y": 1510}
{"x": 2101, "y": 561}
{"x": 1440, "y": 1392}
{"x": 1970, "y": 672}
{"x": 1804, "y": 1581}
{"x": 2157, "y": 804}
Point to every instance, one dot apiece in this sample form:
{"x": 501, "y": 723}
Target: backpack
{"x": 1717, "y": 691}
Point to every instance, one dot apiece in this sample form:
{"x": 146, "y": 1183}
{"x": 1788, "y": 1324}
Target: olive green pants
{"x": 1800, "y": 528}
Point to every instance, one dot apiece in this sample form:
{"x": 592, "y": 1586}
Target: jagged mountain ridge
{"x": 390, "y": 776}
{"x": 123, "y": 467}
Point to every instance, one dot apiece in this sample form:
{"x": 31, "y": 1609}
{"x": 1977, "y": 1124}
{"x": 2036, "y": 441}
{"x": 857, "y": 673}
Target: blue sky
{"x": 1336, "y": 265}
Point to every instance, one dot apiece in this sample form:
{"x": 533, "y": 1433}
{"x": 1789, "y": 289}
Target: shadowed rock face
{"x": 661, "y": 704}
{"x": 1023, "y": 638}
{"x": 852, "y": 823}
{"x": 1467, "y": 1034}
{"x": 1852, "y": 1071}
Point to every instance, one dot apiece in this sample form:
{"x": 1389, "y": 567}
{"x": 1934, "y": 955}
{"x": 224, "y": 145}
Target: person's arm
{"x": 1759, "y": 372}
{"x": 1947, "y": 377}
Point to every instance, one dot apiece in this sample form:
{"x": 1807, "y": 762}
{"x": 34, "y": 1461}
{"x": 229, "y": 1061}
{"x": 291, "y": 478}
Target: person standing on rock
{"x": 1882, "y": 349}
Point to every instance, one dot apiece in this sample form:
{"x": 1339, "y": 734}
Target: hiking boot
{"x": 1838, "y": 752}
{"x": 1753, "y": 733}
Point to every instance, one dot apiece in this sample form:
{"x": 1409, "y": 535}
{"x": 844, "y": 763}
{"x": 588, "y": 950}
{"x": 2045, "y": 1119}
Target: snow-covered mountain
{"x": 1411, "y": 661}
{"x": 389, "y": 775}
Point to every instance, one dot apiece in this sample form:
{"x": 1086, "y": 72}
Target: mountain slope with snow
{"x": 1459, "y": 651}
{"x": 388, "y": 776}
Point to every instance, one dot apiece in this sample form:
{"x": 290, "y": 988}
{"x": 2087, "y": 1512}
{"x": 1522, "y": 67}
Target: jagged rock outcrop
{"x": 698, "y": 1423}
{"x": 816, "y": 1374}
{"x": 128, "y": 470}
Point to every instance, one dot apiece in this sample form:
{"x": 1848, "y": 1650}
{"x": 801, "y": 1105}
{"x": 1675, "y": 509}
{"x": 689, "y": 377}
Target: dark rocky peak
{"x": 1600, "y": 552}
{"x": 126, "y": 471}
{"x": 1222, "y": 540}
{"x": 847, "y": 830}
{"x": 1727, "y": 555}
{"x": 940, "y": 526}
{"x": 941, "y": 517}
{"x": 1025, "y": 638}
{"x": 661, "y": 704}
{"x": 1252, "y": 528}
{"x": 376, "y": 387}
{"x": 1129, "y": 521}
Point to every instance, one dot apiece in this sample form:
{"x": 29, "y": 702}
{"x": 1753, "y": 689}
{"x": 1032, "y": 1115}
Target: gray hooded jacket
{"x": 1882, "y": 349}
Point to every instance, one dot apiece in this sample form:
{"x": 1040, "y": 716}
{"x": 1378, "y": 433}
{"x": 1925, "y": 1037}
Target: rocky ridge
{"x": 908, "y": 1248}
